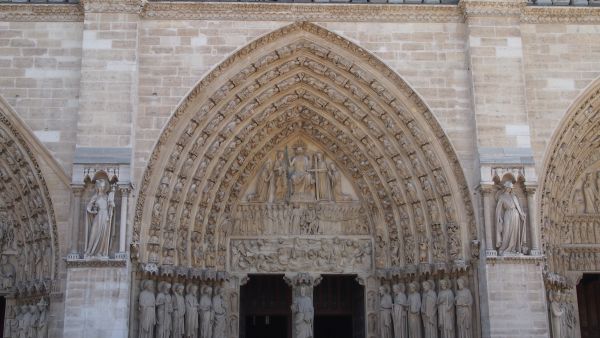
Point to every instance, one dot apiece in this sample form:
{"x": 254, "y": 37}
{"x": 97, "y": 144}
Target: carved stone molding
{"x": 563, "y": 14}
{"x": 41, "y": 12}
{"x": 321, "y": 87}
{"x": 475, "y": 8}
{"x": 96, "y": 263}
{"x": 112, "y": 6}
{"x": 515, "y": 259}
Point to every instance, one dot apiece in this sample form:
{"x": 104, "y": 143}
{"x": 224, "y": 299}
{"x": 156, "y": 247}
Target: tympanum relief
{"x": 300, "y": 192}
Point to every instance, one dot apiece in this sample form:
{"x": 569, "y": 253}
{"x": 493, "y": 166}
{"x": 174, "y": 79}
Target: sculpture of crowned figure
{"x": 300, "y": 176}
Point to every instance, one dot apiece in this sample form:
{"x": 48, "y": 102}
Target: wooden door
{"x": 588, "y": 299}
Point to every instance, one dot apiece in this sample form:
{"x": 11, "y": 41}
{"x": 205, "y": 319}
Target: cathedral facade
{"x": 310, "y": 169}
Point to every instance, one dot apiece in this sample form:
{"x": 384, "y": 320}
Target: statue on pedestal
{"x": 100, "y": 219}
{"x": 164, "y": 310}
{"x": 557, "y": 314}
{"x": 510, "y": 222}
{"x": 445, "y": 303}
{"x": 303, "y": 315}
{"x": 464, "y": 302}
{"x": 191, "y": 311}
{"x": 400, "y": 312}
{"x": 429, "y": 311}
{"x": 219, "y": 314}
{"x": 178, "y": 311}
{"x": 414, "y": 312}
{"x": 205, "y": 307}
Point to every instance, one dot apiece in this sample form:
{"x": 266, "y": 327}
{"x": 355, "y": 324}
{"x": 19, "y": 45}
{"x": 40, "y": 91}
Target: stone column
{"x": 76, "y": 225}
{"x": 299, "y": 281}
{"x": 533, "y": 222}
{"x": 233, "y": 303}
{"x": 122, "y": 253}
{"x": 488, "y": 208}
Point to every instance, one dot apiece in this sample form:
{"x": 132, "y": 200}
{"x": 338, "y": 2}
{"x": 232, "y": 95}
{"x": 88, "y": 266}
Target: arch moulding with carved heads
{"x": 303, "y": 84}
{"x": 28, "y": 231}
{"x": 569, "y": 212}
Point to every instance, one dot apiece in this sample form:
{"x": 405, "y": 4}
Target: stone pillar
{"x": 122, "y": 253}
{"x": 74, "y": 251}
{"x": 488, "y": 208}
{"x": 371, "y": 285}
{"x": 533, "y": 221}
{"x": 301, "y": 281}
{"x": 233, "y": 303}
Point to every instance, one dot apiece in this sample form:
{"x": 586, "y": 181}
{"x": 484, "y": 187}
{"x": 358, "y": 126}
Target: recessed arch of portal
{"x": 28, "y": 232}
{"x": 303, "y": 82}
{"x": 569, "y": 211}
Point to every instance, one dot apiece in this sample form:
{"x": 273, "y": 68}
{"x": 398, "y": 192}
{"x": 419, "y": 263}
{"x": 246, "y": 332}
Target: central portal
{"x": 339, "y": 307}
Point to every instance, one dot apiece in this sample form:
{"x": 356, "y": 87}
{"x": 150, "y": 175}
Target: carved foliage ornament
{"x": 218, "y": 141}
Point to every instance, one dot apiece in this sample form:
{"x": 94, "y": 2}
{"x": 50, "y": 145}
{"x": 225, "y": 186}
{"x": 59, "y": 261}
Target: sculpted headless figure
{"x": 147, "y": 310}
{"x": 191, "y": 311}
{"x": 385, "y": 312}
{"x": 303, "y": 315}
{"x": 400, "y": 312}
{"x": 463, "y": 301}
{"x": 429, "y": 311}
{"x": 220, "y": 315}
{"x": 205, "y": 308}
{"x": 414, "y": 312}
{"x": 445, "y": 303}
{"x": 164, "y": 310}
{"x": 100, "y": 214}
{"x": 510, "y": 222}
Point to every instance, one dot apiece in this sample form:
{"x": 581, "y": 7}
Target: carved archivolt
{"x": 28, "y": 235}
{"x": 571, "y": 189}
{"x": 303, "y": 82}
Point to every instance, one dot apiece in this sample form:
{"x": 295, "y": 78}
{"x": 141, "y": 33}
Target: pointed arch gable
{"x": 304, "y": 79}
{"x": 572, "y": 157}
{"x": 29, "y": 227}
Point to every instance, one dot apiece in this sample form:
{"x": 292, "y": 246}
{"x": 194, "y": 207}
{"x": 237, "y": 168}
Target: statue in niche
{"x": 42, "y": 326}
{"x": 335, "y": 178}
{"x": 205, "y": 308}
{"x": 300, "y": 174}
{"x": 7, "y": 270}
{"x": 429, "y": 310}
{"x": 178, "y": 311}
{"x": 510, "y": 222}
{"x": 445, "y": 303}
{"x": 590, "y": 194}
{"x": 303, "y": 315}
{"x": 400, "y": 312}
{"x": 219, "y": 314}
{"x": 191, "y": 311}
{"x": 414, "y": 311}
{"x": 147, "y": 310}
{"x": 557, "y": 314}
{"x": 323, "y": 190}
{"x": 464, "y": 302}
{"x": 100, "y": 218}
{"x": 263, "y": 183}
{"x": 280, "y": 180}
{"x": 385, "y": 312}
{"x": 164, "y": 310}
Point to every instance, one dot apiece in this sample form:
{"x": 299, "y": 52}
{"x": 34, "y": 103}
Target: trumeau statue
{"x": 400, "y": 312}
{"x": 205, "y": 308}
{"x": 303, "y": 311}
{"x": 464, "y": 302}
{"x": 414, "y": 312}
{"x": 445, "y": 303}
{"x": 385, "y": 312}
{"x": 191, "y": 311}
{"x": 178, "y": 311}
{"x": 510, "y": 223}
{"x": 429, "y": 311}
{"x": 99, "y": 220}
{"x": 147, "y": 310}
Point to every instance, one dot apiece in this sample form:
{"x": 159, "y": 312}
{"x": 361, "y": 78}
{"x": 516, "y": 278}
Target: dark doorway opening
{"x": 339, "y": 307}
{"x": 588, "y": 299}
{"x": 265, "y": 304}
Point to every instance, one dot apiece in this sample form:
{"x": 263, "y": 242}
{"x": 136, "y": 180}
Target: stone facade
{"x": 447, "y": 146}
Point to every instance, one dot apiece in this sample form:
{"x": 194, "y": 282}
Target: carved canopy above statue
{"x": 369, "y": 144}
{"x": 570, "y": 200}
{"x": 27, "y": 224}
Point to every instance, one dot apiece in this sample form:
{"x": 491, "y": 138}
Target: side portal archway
{"x": 349, "y": 156}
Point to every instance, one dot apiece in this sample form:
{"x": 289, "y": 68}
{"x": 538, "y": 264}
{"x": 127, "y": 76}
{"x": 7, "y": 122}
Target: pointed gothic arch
{"x": 569, "y": 211}
{"x": 303, "y": 81}
{"x": 28, "y": 234}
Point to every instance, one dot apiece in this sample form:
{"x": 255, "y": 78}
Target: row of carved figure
{"x": 445, "y": 314}
{"x": 576, "y": 261}
{"x": 30, "y": 321}
{"x": 562, "y": 315}
{"x": 170, "y": 313}
{"x": 585, "y": 230}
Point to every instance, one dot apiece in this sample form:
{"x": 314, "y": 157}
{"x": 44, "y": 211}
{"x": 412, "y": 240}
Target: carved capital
{"x": 302, "y": 279}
